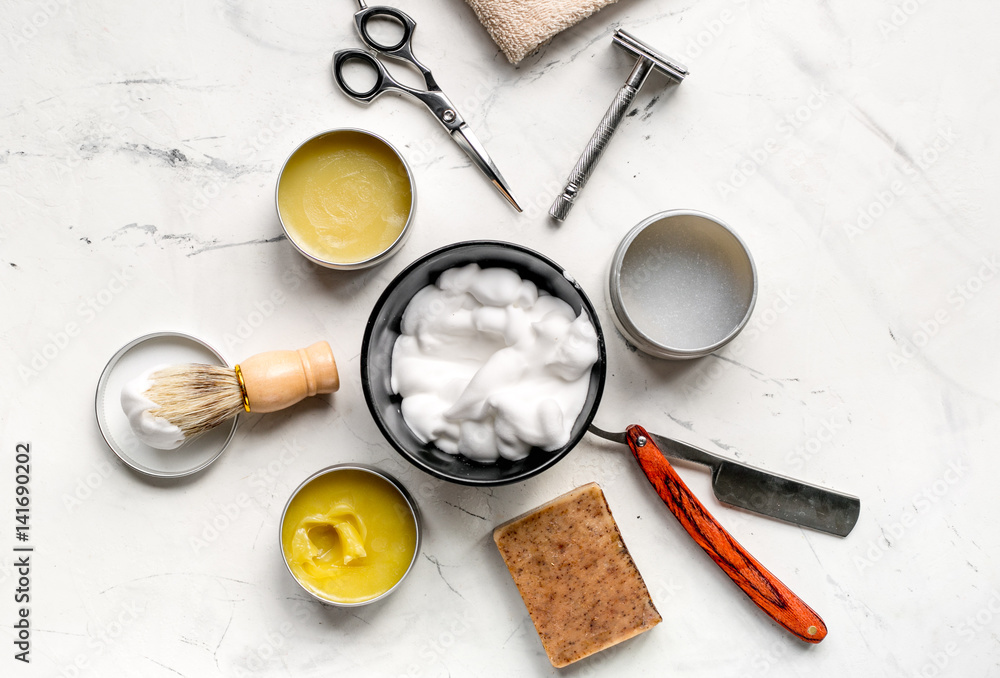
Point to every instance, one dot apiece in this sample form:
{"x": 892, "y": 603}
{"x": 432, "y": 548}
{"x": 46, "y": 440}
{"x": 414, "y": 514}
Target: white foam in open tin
{"x": 682, "y": 285}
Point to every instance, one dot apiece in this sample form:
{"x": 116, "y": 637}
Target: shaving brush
{"x": 169, "y": 405}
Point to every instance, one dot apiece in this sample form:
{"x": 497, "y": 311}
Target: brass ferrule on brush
{"x": 243, "y": 388}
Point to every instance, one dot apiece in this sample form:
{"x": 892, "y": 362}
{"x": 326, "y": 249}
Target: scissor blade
{"x": 474, "y": 148}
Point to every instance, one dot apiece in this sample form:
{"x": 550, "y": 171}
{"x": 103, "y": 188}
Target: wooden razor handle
{"x": 277, "y": 379}
{"x": 764, "y": 589}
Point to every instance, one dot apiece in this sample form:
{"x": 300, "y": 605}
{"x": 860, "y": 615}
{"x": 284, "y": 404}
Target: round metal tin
{"x": 352, "y": 265}
{"x": 146, "y": 352}
{"x": 384, "y": 476}
{"x": 682, "y": 285}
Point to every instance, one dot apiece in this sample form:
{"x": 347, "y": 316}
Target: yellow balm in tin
{"x": 349, "y": 535}
{"x": 345, "y": 199}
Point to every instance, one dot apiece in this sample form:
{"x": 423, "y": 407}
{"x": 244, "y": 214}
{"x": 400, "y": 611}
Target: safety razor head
{"x": 671, "y": 68}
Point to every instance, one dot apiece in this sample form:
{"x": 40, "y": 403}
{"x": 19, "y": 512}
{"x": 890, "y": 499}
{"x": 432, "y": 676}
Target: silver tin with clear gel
{"x": 682, "y": 285}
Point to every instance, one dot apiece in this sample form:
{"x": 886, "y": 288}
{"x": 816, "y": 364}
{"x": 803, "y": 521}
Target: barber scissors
{"x": 439, "y": 104}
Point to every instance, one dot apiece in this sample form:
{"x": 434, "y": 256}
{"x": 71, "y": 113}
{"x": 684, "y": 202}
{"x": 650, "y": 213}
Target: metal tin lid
{"x": 144, "y": 353}
{"x": 682, "y": 285}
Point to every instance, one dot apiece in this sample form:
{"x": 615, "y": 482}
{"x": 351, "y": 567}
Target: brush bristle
{"x": 195, "y": 398}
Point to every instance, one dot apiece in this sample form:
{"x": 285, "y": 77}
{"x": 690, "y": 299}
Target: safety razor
{"x": 647, "y": 60}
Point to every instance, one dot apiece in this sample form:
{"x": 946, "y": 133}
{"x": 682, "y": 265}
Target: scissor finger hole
{"x": 359, "y": 75}
{"x": 385, "y": 31}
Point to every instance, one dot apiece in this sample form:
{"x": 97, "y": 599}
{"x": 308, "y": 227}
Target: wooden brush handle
{"x": 278, "y": 379}
{"x": 764, "y": 589}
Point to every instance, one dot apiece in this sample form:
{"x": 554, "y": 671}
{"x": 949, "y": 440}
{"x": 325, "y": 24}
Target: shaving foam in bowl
{"x": 385, "y": 327}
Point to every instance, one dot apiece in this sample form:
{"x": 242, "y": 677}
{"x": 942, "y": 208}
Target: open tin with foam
{"x": 136, "y": 357}
{"x": 682, "y": 285}
{"x": 306, "y": 213}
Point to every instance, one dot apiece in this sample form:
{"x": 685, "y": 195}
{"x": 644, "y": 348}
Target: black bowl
{"x": 384, "y": 327}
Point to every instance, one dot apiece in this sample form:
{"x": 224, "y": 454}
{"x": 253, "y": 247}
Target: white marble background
{"x": 853, "y": 146}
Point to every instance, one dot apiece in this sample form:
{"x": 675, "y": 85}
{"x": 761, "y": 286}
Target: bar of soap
{"x": 576, "y": 576}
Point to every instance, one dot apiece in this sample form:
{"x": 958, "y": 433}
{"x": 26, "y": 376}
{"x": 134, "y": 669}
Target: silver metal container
{"x": 384, "y": 476}
{"x": 139, "y": 355}
{"x": 682, "y": 285}
{"x": 348, "y": 265}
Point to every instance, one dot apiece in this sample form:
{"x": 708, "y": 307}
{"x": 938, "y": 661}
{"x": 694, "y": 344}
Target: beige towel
{"x": 520, "y": 26}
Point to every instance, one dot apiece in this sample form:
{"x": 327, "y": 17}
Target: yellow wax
{"x": 348, "y": 536}
{"x": 344, "y": 197}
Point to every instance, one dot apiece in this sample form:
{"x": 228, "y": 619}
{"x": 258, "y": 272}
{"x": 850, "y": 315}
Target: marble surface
{"x": 851, "y": 144}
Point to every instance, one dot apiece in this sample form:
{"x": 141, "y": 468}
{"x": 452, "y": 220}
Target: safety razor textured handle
{"x": 593, "y": 152}
{"x": 599, "y": 141}
{"x": 763, "y": 588}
